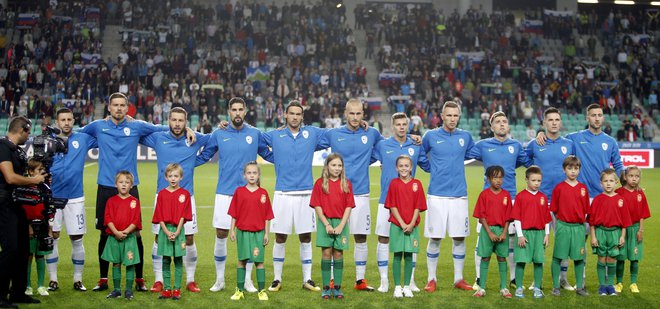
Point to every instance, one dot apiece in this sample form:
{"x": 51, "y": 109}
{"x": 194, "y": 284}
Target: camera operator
{"x": 14, "y": 234}
{"x": 67, "y": 171}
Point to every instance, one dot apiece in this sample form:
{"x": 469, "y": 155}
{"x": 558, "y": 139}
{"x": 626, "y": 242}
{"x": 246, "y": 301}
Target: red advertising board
{"x": 640, "y": 157}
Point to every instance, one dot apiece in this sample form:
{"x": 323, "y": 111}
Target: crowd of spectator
{"x": 500, "y": 62}
{"x": 198, "y": 57}
{"x": 180, "y": 53}
{"x": 43, "y": 67}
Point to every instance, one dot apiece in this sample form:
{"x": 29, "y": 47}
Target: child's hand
{"x": 622, "y": 241}
{"x": 545, "y": 241}
{"x": 594, "y": 242}
{"x": 640, "y": 236}
{"x": 522, "y": 242}
{"x": 329, "y": 229}
{"x": 493, "y": 237}
{"x": 338, "y": 229}
{"x": 409, "y": 228}
{"x": 232, "y": 235}
{"x": 265, "y": 239}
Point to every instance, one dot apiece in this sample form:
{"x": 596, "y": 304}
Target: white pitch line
{"x": 90, "y": 164}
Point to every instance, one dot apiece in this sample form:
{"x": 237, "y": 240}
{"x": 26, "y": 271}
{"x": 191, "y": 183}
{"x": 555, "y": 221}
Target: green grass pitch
{"x": 292, "y": 296}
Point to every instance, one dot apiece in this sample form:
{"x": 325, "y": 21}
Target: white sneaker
{"x": 218, "y": 286}
{"x": 384, "y": 287}
{"x": 407, "y": 291}
{"x": 398, "y": 292}
{"x": 28, "y": 291}
{"x": 413, "y": 287}
{"x": 249, "y": 287}
{"x": 42, "y": 290}
{"x": 566, "y": 286}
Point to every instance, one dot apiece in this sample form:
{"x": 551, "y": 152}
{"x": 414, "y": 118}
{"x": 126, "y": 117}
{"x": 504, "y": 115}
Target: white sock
{"x": 190, "y": 261}
{"x": 414, "y": 264}
{"x": 383, "y": 256}
{"x": 512, "y": 262}
{"x": 220, "y": 253}
{"x": 78, "y": 259}
{"x": 51, "y": 261}
{"x": 248, "y": 270}
{"x": 432, "y": 254}
{"x": 360, "y": 256}
{"x": 564, "y": 269}
{"x": 157, "y": 261}
{"x": 458, "y": 252}
{"x": 332, "y": 268}
{"x": 306, "y": 260}
{"x": 477, "y": 259}
{"x": 278, "y": 260}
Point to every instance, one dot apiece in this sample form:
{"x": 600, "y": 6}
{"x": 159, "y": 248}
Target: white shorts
{"x": 221, "y": 219}
{"x": 446, "y": 216}
{"x": 360, "y": 221}
{"x": 292, "y": 211}
{"x": 383, "y": 221}
{"x": 512, "y": 227}
{"x": 189, "y": 228}
{"x": 73, "y": 217}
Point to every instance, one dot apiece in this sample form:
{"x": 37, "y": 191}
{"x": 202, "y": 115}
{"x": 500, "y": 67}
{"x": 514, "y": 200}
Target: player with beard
{"x": 118, "y": 138}
{"x": 67, "y": 171}
{"x": 172, "y": 147}
{"x": 293, "y": 190}
{"x": 508, "y": 153}
{"x": 236, "y": 145}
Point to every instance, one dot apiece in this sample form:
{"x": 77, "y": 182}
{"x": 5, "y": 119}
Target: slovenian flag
{"x": 92, "y": 13}
{"x": 28, "y": 19}
{"x": 532, "y": 26}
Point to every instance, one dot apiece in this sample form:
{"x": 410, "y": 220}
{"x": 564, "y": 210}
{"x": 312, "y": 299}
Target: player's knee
{"x": 486, "y": 259}
{"x": 458, "y": 238}
{"x": 156, "y": 239}
{"x": 56, "y": 235}
{"x": 190, "y": 240}
{"x": 501, "y": 259}
{"x": 72, "y": 237}
{"x": 360, "y": 238}
{"x": 383, "y": 240}
{"x": 280, "y": 238}
{"x": 326, "y": 253}
{"x": 221, "y": 233}
{"x": 338, "y": 254}
{"x": 306, "y": 237}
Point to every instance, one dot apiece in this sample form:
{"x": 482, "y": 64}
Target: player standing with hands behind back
{"x": 173, "y": 209}
{"x": 405, "y": 200}
{"x": 332, "y": 199}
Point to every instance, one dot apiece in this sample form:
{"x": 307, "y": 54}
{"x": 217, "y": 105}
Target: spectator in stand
{"x": 649, "y": 129}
